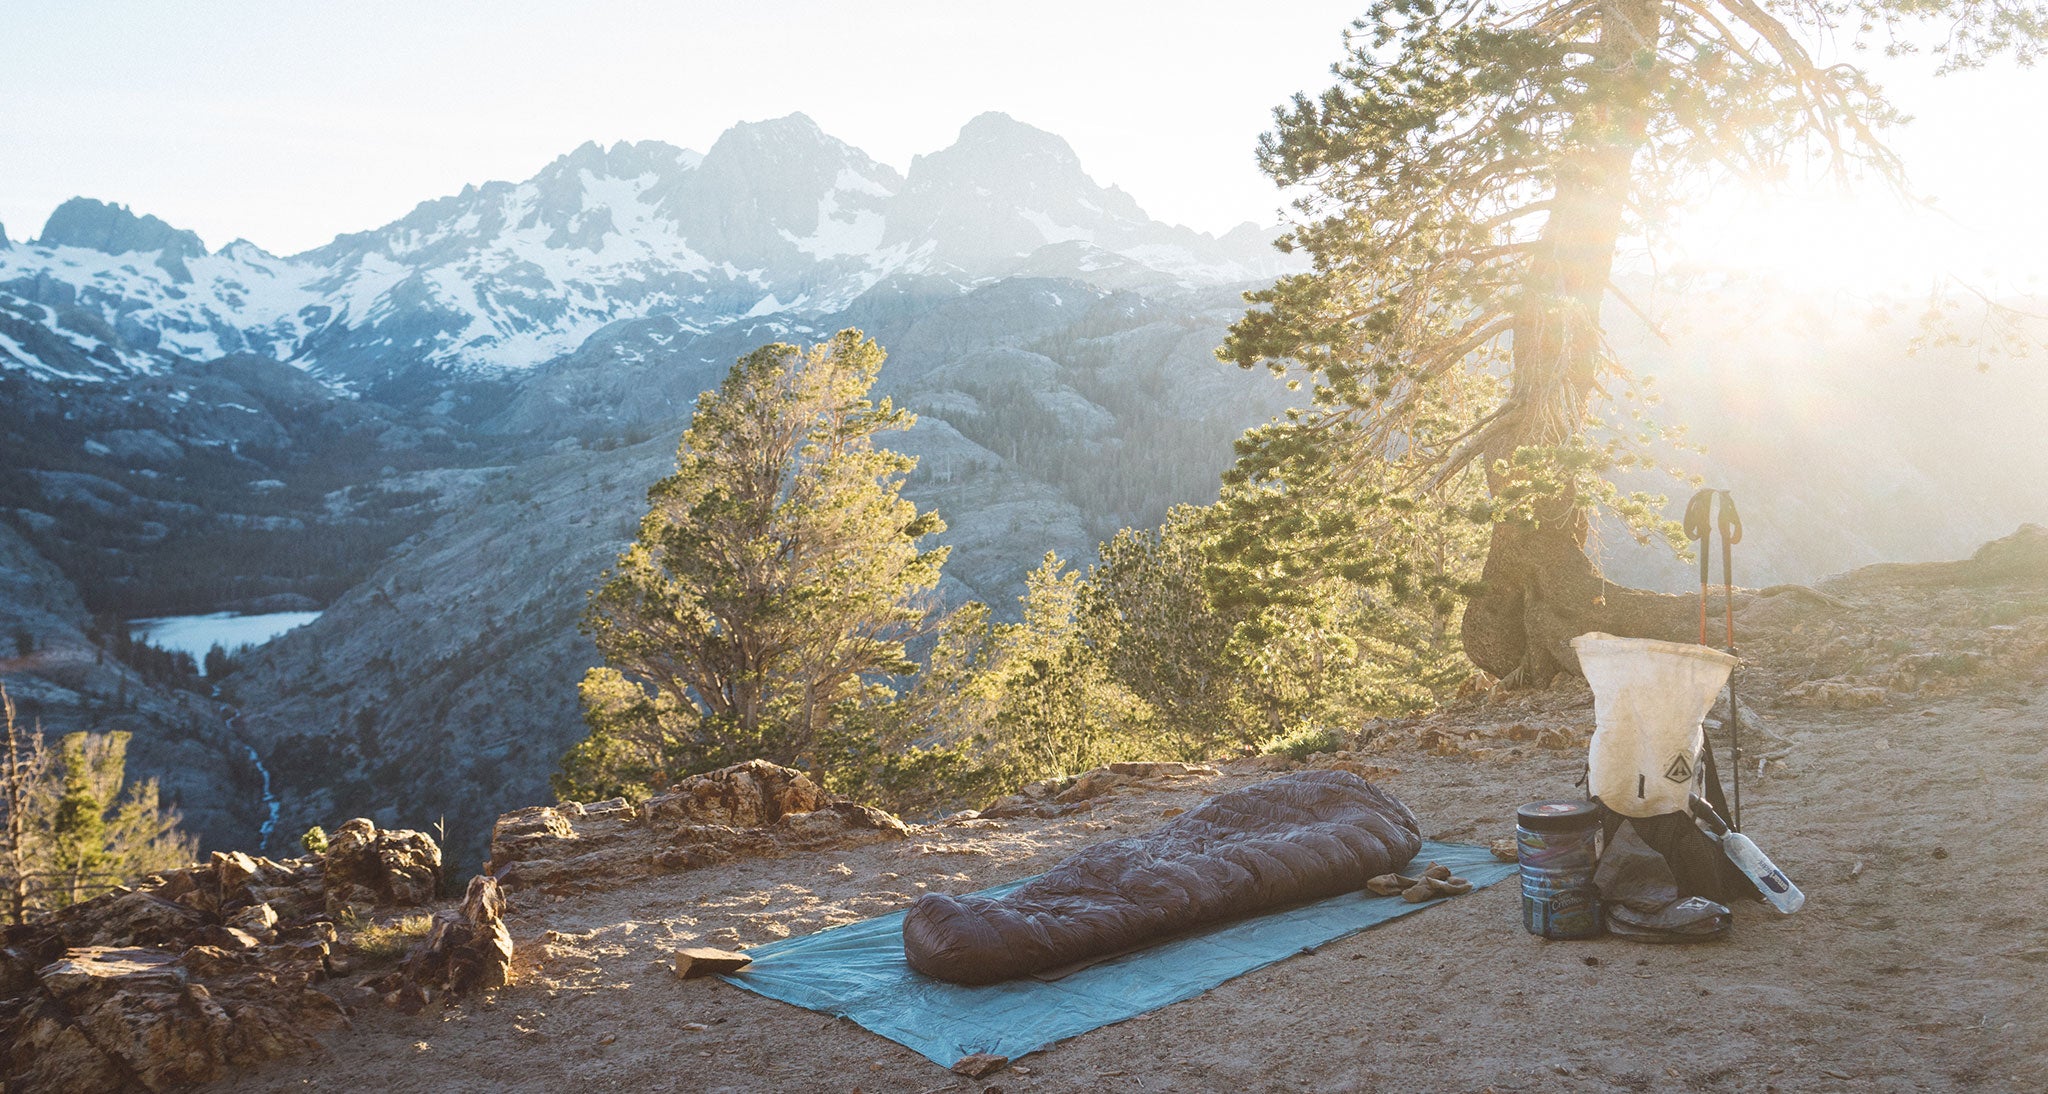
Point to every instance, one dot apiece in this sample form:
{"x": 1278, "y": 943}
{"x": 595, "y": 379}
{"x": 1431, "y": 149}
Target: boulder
{"x": 745, "y": 795}
{"x": 257, "y": 919}
{"x": 397, "y": 866}
{"x": 140, "y": 918}
{"x": 45, "y": 1051}
{"x": 108, "y": 1018}
{"x": 467, "y": 950}
{"x": 232, "y": 874}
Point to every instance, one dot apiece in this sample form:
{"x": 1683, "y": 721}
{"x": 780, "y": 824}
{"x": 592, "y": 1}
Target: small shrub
{"x": 1302, "y": 743}
{"x": 379, "y": 943}
{"x": 315, "y": 840}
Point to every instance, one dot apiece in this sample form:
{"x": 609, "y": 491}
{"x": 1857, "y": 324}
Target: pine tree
{"x": 70, "y": 833}
{"x": 1052, "y": 707}
{"x": 100, "y": 838}
{"x": 775, "y": 579}
{"x": 1165, "y": 637}
{"x": 1467, "y": 183}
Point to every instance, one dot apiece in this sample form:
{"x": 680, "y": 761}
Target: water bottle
{"x": 1750, "y": 859}
{"x": 1758, "y": 867}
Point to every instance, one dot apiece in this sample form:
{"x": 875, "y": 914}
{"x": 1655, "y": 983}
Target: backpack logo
{"x": 1680, "y": 769}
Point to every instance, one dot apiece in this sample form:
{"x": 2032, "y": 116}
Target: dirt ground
{"x": 1916, "y": 826}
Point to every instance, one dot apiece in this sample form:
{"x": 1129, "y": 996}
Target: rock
{"x": 232, "y": 873}
{"x": 567, "y": 846}
{"x": 745, "y": 795}
{"x": 980, "y": 1064}
{"x": 257, "y": 919}
{"x": 139, "y": 918}
{"x": 46, "y": 1052}
{"x": 1836, "y": 694}
{"x": 519, "y": 833}
{"x": 694, "y": 857}
{"x": 467, "y": 950}
{"x": 833, "y": 825}
{"x": 146, "y": 1014}
{"x": 400, "y": 867}
{"x": 227, "y": 938}
{"x": 168, "y": 984}
{"x": 1013, "y": 805}
{"x": 1093, "y": 784}
{"x": 695, "y": 961}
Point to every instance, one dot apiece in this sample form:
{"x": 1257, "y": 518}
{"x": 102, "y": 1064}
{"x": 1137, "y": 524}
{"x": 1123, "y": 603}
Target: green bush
{"x": 1302, "y": 743}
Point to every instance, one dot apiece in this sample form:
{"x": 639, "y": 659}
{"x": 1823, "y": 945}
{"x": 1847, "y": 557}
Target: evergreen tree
{"x": 930, "y": 747}
{"x": 775, "y": 579}
{"x": 70, "y": 833}
{"x": 1232, "y": 636}
{"x": 1165, "y": 637}
{"x": 1052, "y": 707}
{"x": 1468, "y": 181}
{"x": 99, "y": 837}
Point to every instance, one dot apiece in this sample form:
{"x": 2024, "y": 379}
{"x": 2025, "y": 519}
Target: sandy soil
{"x": 1915, "y": 827}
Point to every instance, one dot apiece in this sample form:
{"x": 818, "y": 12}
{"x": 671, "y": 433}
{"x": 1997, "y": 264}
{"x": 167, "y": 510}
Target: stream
{"x": 271, "y": 805}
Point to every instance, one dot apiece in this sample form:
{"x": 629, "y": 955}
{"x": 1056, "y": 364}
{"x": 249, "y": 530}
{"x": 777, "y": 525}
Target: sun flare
{"x": 1845, "y": 241}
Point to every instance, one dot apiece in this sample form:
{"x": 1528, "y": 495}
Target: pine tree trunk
{"x": 1538, "y": 589}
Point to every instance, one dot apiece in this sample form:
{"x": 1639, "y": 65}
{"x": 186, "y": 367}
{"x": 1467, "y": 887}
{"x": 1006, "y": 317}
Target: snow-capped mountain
{"x": 778, "y": 218}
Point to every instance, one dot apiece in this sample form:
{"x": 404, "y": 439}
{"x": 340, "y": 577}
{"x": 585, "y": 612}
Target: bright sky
{"x": 289, "y": 123}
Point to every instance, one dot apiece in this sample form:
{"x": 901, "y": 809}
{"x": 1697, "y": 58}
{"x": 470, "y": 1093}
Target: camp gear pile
{"x": 1650, "y": 767}
{"x": 1301, "y": 837}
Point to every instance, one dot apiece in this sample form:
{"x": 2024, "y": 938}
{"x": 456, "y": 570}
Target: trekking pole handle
{"x": 1699, "y": 528}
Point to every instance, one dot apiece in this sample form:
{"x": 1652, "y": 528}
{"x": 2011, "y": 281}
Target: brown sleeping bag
{"x": 1301, "y": 837}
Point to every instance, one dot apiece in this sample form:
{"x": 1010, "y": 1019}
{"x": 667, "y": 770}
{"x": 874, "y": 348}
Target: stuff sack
{"x": 1648, "y": 754}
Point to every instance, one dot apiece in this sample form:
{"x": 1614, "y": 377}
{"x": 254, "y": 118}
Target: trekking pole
{"x": 1699, "y": 526}
{"x": 1731, "y": 534}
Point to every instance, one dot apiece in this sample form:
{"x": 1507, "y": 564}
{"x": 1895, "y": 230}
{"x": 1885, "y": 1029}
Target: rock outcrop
{"x": 468, "y": 949}
{"x": 751, "y": 809}
{"x": 222, "y": 963}
{"x": 365, "y": 866}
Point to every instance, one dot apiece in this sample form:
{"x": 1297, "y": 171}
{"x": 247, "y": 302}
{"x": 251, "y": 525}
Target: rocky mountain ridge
{"x": 778, "y": 218}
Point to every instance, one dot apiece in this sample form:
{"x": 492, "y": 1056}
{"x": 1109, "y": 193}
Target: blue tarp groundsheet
{"x": 858, "y": 971}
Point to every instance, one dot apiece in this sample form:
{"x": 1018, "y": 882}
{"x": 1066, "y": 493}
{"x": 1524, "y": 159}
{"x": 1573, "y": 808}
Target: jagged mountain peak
{"x": 245, "y": 251}
{"x": 996, "y": 130}
{"x": 777, "y": 217}
{"x": 115, "y": 229}
{"x": 1002, "y": 190}
{"x": 1002, "y": 155}
{"x": 792, "y": 143}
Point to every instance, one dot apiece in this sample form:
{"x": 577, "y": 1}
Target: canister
{"x": 1557, "y": 844}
